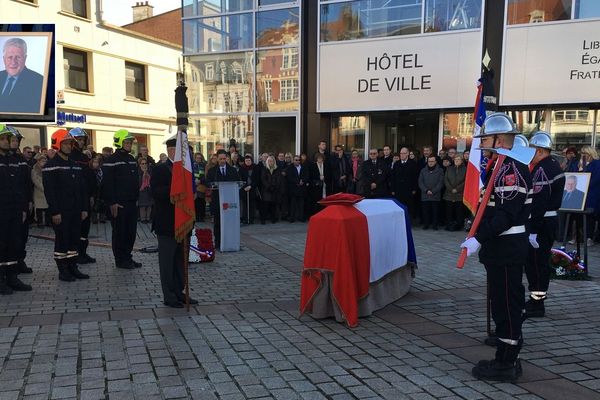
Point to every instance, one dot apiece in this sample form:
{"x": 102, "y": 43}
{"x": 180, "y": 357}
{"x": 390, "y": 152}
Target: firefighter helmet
{"x": 541, "y": 139}
{"x": 58, "y": 137}
{"x": 120, "y": 136}
{"x": 496, "y": 124}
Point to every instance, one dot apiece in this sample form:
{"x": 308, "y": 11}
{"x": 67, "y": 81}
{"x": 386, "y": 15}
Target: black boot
{"x": 74, "y": 270}
{"x": 534, "y": 308}
{"x": 63, "y": 272}
{"x": 84, "y": 257}
{"x": 4, "y": 288}
{"x": 504, "y": 368}
{"x": 13, "y": 281}
{"x": 23, "y": 268}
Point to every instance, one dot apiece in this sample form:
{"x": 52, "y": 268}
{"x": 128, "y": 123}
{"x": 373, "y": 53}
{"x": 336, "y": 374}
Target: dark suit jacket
{"x": 163, "y": 220}
{"x": 374, "y": 173}
{"x": 574, "y": 202}
{"x": 404, "y": 180}
{"x": 26, "y": 94}
{"x": 214, "y": 175}
{"x": 297, "y": 183}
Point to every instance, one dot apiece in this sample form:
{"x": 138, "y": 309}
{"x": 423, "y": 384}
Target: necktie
{"x": 9, "y": 86}
{"x": 223, "y": 171}
{"x": 567, "y": 196}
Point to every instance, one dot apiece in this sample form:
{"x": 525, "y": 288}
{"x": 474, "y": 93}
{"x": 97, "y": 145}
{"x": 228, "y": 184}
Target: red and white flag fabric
{"x": 182, "y": 194}
{"x": 475, "y": 169}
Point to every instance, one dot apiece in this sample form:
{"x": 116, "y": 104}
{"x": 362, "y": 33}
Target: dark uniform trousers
{"x": 10, "y": 237}
{"x": 170, "y": 262}
{"x": 83, "y": 239}
{"x": 66, "y": 240}
{"x": 504, "y": 249}
{"x": 537, "y": 268}
{"x": 124, "y": 231}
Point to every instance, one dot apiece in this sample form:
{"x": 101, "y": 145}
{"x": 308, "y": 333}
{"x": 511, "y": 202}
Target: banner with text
{"x": 420, "y": 72}
{"x": 551, "y": 64}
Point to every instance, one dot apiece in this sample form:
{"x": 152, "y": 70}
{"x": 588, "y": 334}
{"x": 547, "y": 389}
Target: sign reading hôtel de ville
{"x": 551, "y": 63}
{"x": 418, "y": 72}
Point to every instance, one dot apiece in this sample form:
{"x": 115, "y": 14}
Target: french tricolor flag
{"x": 182, "y": 194}
{"x": 475, "y": 172}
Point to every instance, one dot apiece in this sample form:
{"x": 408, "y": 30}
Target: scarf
{"x": 145, "y": 182}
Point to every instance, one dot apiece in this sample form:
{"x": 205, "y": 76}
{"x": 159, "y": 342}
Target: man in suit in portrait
{"x": 222, "y": 172}
{"x": 20, "y": 87}
{"x": 572, "y": 197}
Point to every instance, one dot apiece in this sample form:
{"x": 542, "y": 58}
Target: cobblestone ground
{"x": 111, "y": 337}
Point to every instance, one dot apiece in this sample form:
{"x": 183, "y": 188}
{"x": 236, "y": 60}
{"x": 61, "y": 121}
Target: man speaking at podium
{"x": 222, "y": 172}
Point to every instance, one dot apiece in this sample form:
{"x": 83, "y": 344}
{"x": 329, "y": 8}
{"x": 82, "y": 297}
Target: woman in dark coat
{"x": 270, "y": 178}
{"x": 454, "y": 180}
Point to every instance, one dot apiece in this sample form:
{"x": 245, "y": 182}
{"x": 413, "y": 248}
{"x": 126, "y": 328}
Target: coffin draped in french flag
{"x": 359, "y": 257}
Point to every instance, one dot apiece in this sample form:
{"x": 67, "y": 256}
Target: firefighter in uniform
{"x": 548, "y": 182}
{"x": 25, "y": 179}
{"x": 82, "y": 160}
{"x": 12, "y": 215}
{"x": 502, "y": 237}
{"x": 120, "y": 190}
{"x": 65, "y": 193}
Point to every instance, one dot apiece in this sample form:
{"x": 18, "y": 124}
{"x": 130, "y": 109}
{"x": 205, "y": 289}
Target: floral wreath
{"x": 567, "y": 265}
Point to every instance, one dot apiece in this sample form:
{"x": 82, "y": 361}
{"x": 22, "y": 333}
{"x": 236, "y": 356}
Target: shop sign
{"x": 555, "y": 63}
{"x": 419, "y": 72}
{"x": 63, "y": 117}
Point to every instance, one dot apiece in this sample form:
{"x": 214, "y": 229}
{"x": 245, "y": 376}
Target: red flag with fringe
{"x": 182, "y": 194}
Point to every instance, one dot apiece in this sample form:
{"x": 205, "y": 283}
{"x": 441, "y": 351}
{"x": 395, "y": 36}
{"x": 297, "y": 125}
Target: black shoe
{"x": 74, "y": 270}
{"x": 173, "y": 304}
{"x": 435, "y": 228}
{"x": 497, "y": 371}
{"x": 136, "y": 264}
{"x": 425, "y": 227}
{"x": 22, "y": 268}
{"x": 64, "y": 274}
{"x": 13, "y": 282}
{"x": 263, "y": 222}
{"x": 182, "y": 300}
{"x": 534, "y": 309}
{"x": 85, "y": 259}
{"x": 125, "y": 265}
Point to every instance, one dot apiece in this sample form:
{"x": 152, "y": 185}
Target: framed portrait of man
{"x": 575, "y": 191}
{"x": 24, "y": 72}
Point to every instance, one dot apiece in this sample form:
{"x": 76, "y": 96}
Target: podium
{"x": 229, "y": 211}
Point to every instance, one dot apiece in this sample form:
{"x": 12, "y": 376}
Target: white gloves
{"x": 533, "y": 241}
{"x": 472, "y": 245}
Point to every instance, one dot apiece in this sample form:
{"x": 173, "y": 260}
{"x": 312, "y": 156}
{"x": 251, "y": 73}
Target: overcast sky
{"x": 118, "y": 12}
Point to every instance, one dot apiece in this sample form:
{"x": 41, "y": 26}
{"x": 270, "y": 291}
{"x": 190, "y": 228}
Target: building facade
{"x": 107, "y": 77}
{"x": 280, "y": 75}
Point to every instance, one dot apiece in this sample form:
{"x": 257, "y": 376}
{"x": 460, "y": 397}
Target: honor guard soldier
{"x": 502, "y": 237}
{"x": 120, "y": 190}
{"x": 25, "y": 179}
{"x": 548, "y": 183}
{"x": 82, "y": 160}
{"x": 65, "y": 193}
{"x": 12, "y": 215}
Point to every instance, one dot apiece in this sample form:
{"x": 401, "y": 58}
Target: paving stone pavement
{"x": 111, "y": 337}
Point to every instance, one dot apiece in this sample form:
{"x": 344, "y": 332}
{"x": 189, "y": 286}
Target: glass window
{"x": 370, "y": 18}
{"x": 587, "y": 9}
{"x": 281, "y": 93}
{"x": 213, "y": 133}
{"x": 349, "y": 131}
{"x": 448, "y": 15}
{"x": 221, "y": 83}
{"x": 277, "y": 134}
{"x": 277, "y": 27}
{"x": 272, "y": 2}
{"x": 135, "y": 81}
{"x": 228, "y": 32}
{"x": 528, "y": 121}
{"x": 536, "y": 11}
{"x": 76, "y": 69}
{"x": 77, "y": 7}
{"x": 212, "y": 7}
{"x": 458, "y": 131}
{"x": 572, "y": 128}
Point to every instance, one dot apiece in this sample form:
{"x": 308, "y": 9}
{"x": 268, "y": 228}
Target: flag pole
{"x": 481, "y": 209}
{"x": 186, "y": 284}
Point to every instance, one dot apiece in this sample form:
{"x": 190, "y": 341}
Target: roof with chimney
{"x": 165, "y": 26}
